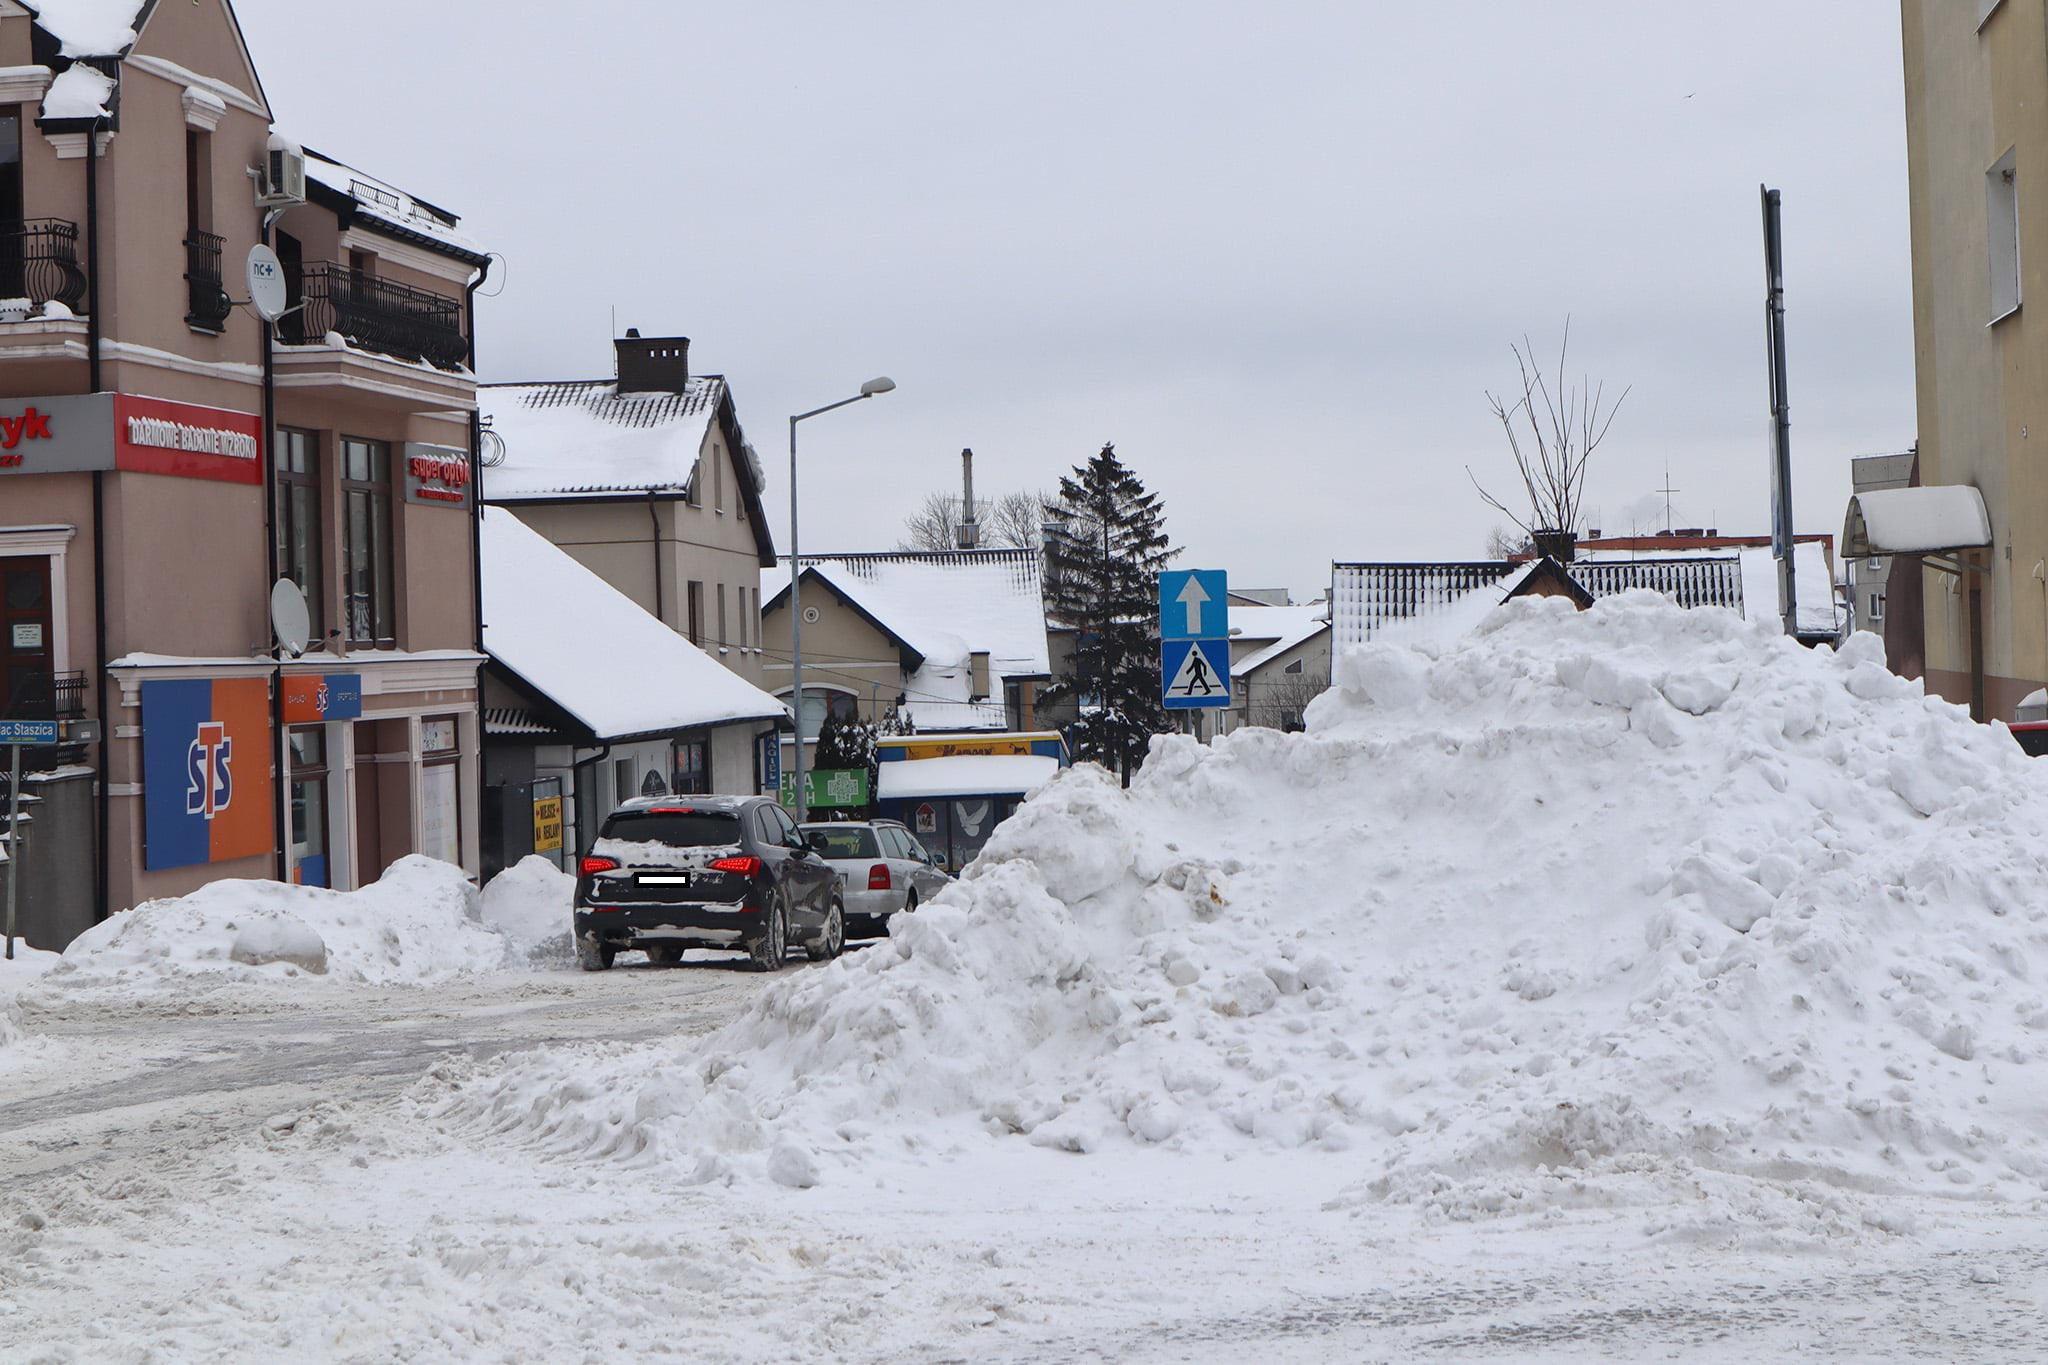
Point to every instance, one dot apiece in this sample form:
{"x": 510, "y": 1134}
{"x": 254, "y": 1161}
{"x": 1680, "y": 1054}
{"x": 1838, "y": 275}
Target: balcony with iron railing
{"x": 378, "y": 315}
{"x": 39, "y": 263}
{"x": 208, "y": 304}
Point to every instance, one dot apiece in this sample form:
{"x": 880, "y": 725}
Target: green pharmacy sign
{"x": 832, "y": 789}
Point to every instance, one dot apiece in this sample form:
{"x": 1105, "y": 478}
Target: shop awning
{"x": 1915, "y": 521}
{"x": 966, "y": 775}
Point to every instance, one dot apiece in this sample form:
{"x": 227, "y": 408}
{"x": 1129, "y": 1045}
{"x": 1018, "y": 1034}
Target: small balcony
{"x": 39, "y": 263}
{"x": 208, "y": 303}
{"x": 378, "y": 315}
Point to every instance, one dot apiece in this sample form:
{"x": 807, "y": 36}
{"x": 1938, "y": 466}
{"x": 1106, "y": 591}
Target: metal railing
{"x": 40, "y": 695}
{"x": 378, "y": 315}
{"x": 39, "y": 262}
{"x": 208, "y": 303}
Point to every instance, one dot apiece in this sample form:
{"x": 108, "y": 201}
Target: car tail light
{"x": 878, "y": 878}
{"x": 745, "y": 866}
{"x": 590, "y": 867}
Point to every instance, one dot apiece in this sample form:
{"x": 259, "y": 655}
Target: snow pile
{"x": 27, "y": 966}
{"x": 1577, "y": 908}
{"x": 531, "y": 904}
{"x": 418, "y": 925}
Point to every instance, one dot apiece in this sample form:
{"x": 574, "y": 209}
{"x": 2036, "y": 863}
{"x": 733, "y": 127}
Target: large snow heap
{"x": 1566, "y": 908}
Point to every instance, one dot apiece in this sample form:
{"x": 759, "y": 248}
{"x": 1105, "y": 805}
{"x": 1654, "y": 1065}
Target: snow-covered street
{"x": 256, "y": 1187}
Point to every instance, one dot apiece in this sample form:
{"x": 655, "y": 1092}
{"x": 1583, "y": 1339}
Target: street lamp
{"x": 796, "y": 604}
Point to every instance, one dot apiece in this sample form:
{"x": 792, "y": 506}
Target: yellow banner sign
{"x": 964, "y": 748}
{"x": 547, "y": 824}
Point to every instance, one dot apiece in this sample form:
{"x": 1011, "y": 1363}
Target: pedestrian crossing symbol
{"x": 1196, "y": 674}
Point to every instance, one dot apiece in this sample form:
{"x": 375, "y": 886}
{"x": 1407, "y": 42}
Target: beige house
{"x": 1279, "y": 662}
{"x": 935, "y": 642}
{"x": 1977, "y": 154}
{"x": 647, "y": 480}
{"x": 145, "y": 510}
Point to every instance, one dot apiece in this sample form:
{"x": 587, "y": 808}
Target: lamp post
{"x": 796, "y": 604}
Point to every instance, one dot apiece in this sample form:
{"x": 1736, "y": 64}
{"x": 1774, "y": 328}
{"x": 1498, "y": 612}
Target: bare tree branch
{"x": 1553, "y": 455}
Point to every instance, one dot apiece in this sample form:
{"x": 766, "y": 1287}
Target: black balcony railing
{"x": 39, "y": 262}
{"x": 378, "y": 315}
{"x": 209, "y": 302}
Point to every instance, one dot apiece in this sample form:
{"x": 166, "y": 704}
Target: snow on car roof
{"x": 562, "y": 630}
{"x": 583, "y": 438}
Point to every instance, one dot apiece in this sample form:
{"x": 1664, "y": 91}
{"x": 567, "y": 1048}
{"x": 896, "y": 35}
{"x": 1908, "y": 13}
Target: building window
{"x": 1877, "y": 606}
{"x": 2002, "y": 219}
{"x": 821, "y": 704}
{"x": 693, "y": 598}
{"x": 309, "y": 807}
{"x": 1294, "y": 667}
{"x": 298, "y": 518}
{"x": 441, "y": 790}
{"x": 1874, "y": 563}
{"x": 27, "y": 639}
{"x": 717, "y": 483}
{"x": 722, "y": 637}
{"x": 693, "y": 767}
{"x": 366, "y": 564}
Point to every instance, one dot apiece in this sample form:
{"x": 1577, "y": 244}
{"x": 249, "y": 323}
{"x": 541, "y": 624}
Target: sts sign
{"x": 206, "y": 767}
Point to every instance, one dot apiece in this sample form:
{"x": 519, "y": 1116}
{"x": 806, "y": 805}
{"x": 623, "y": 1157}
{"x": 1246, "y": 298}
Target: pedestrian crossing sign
{"x": 1195, "y": 674}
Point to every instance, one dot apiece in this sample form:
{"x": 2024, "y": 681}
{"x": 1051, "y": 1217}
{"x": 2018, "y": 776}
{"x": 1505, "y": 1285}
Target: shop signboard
{"x": 312, "y": 698}
{"x": 547, "y": 824}
{"x": 78, "y": 433}
{"x": 832, "y": 789}
{"x": 206, "y": 770}
{"x": 436, "y": 476}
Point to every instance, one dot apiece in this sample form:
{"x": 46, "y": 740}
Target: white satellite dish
{"x": 267, "y": 293}
{"x": 288, "y": 616}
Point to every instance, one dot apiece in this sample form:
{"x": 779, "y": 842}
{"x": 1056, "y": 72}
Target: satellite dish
{"x": 288, "y": 617}
{"x": 266, "y": 287}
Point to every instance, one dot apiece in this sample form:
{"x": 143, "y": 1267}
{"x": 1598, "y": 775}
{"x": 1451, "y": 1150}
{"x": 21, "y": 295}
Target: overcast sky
{"x": 1276, "y": 252}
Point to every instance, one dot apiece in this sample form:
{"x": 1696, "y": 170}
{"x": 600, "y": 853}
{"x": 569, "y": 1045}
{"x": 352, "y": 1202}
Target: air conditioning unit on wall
{"x": 284, "y": 175}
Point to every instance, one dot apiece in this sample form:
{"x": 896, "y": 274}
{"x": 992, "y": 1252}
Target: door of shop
{"x": 27, "y": 642}
{"x": 369, "y": 806}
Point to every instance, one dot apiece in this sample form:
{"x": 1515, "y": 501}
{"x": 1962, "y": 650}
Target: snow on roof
{"x": 88, "y": 28}
{"x": 592, "y": 651}
{"x": 80, "y": 91}
{"x": 1367, "y": 597}
{"x": 1902, "y": 521}
{"x": 389, "y": 206}
{"x": 585, "y": 439}
{"x": 964, "y": 775}
{"x": 1276, "y": 630}
{"x": 1814, "y": 581}
{"x": 946, "y": 606}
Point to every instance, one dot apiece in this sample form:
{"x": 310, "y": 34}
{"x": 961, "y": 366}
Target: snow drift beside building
{"x": 1572, "y": 908}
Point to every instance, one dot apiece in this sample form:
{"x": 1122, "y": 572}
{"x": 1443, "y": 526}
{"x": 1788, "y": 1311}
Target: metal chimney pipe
{"x": 969, "y": 537}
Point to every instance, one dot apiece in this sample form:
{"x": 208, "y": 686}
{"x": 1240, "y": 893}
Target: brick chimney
{"x": 652, "y": 364}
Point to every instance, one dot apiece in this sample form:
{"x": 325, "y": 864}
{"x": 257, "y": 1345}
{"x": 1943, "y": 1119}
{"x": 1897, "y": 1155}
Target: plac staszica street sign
{"x": 1194, "y": 639}
{"x": 1194, "y": 605}
{"x": 35, "y": 734}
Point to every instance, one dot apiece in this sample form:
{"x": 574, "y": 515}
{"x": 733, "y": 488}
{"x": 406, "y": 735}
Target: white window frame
{"x": 2002, "y": 235}
{"x": 51, "y": 543}
{"x": 1877, "y": 606}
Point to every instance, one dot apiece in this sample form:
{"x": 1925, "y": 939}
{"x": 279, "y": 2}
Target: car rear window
{"x": 693, "y": 829}
{"x": 842, "y": 841}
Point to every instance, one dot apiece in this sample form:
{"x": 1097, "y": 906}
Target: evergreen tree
{"x": 1103, "y": 553}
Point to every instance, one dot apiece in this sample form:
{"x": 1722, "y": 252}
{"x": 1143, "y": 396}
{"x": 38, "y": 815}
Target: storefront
{"x": 954, "y": 790}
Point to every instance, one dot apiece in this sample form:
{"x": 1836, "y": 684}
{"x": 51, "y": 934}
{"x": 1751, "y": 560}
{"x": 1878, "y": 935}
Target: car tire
{"x": 832, "y": 938}
{"x": 767, "y": 951}
{"x": 594, "y": 955}
{"x": 910, "y": 903}
{"x": 664, "y": 954}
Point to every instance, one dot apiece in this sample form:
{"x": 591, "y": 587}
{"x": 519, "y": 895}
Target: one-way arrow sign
{"x": 1192, "y": 605}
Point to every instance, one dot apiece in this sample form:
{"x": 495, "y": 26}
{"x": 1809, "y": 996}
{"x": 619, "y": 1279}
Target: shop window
{"x": 298, "y": 518}
{"x": 822, "y": 704}
{"x": 309, "y": 862}
{"x": 367, "y": 570}
{"x": 693, "y": 767}
{"x": 441, "y": 790}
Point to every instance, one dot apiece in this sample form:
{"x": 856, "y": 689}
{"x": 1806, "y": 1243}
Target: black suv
{"x": 668, "y": 873}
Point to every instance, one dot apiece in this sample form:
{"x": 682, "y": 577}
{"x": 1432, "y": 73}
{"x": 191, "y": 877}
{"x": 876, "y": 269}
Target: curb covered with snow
{"x": 1572, "y": 906}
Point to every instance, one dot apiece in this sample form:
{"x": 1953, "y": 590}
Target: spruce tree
{"x": 1103, "y": 553}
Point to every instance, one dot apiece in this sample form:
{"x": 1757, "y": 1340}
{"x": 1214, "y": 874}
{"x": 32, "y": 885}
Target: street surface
{"x": 250, "y": 1181}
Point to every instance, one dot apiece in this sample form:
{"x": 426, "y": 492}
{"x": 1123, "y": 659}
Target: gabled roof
{"x": 942, "y": 608}
{"x": 567, "y": 636}
{"x": 1275, "y": 630}
{"x": 353, "y": 194}
{"x": 581, "y": 439}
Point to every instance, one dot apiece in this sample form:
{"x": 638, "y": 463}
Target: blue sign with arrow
{"x": 1193, "y": 605}
{"x": 1194, "y": 639}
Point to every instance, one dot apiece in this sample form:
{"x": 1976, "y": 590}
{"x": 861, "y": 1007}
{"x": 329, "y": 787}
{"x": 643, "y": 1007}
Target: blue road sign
{"x": 1194, "y": 675}
{"x": 1194, "y": 605}
{"x": 36, "y": 734}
